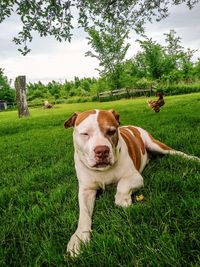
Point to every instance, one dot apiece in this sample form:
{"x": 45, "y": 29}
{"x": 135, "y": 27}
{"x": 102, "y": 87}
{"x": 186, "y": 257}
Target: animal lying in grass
{"x": 47, "y": 104}
{"x": 106, "y": 153}
{"x": 157, "y": 104}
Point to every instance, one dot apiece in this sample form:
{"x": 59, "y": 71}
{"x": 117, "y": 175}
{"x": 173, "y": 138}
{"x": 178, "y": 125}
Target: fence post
{"x": 20, "y": 87}
{"x": 151, "y": 90}
{"x": 127, "y": 92}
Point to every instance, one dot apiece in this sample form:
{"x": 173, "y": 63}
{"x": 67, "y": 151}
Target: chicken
{"x": 155, "y": 105}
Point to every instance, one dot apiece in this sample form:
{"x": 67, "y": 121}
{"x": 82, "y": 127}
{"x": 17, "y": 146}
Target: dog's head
{"x": 96, "y": 137}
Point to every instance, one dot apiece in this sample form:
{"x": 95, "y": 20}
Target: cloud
{"x": 64, "y": 62}
{"x": 184, "y": 21}
{"x": 50, "y": 59}
{"x": 39, "y": 45}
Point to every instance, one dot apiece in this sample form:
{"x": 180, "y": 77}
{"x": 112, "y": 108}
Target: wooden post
{"x": 151, "y": 90}
{"x": 20, "y": 87}
{"x": 127, "y": 92}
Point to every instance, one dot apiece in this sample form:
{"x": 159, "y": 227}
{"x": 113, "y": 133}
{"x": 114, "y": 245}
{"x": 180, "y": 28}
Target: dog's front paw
{"x": 78, "y": 238}
{"x": 123, "y": 200}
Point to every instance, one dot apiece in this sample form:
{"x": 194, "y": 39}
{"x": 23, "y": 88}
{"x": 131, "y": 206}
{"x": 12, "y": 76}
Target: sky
{"x": 50, "y": 60}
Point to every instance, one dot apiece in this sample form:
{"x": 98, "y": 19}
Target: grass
{"x": 38, "y": 193}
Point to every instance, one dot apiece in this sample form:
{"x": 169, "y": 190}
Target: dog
{"x": 106, "y": 153}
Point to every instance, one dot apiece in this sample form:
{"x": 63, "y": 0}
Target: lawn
{"x": 38, "y": 193}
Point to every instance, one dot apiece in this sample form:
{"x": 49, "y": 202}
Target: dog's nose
{"x": 101, "y": 151}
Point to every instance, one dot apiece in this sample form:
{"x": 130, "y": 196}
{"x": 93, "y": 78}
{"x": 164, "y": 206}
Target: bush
{"x": 178, "y": 89}
{"x": 143, "y": 83}
{"x": 79, "y": 99}
{"x": 7, "y": 95}
{"x": 94, "y": 98}
{"x": 36, "y": 102}
{"x": 60, "y": 101}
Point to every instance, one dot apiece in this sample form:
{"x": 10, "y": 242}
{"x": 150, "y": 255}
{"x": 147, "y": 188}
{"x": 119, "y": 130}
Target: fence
{"x": 125, "y": 92}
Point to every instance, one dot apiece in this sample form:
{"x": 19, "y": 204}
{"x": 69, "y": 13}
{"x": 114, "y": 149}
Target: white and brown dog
{"x": 106, "y": 153}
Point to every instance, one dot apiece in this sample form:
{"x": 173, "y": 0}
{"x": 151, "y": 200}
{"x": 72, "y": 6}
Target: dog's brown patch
{"x": 83, "y": 115}
{"x": 71, "y": 121}
{"x": 138, "y": 137}
{"x": 107, "y": 120}
{"x": 133, "y": 146}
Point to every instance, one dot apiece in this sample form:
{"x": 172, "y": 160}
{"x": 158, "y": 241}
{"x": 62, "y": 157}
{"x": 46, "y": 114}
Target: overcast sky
{"x": 51, "y": 60}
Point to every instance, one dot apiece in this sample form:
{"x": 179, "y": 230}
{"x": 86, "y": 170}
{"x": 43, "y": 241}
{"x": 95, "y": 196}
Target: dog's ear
{"x": 116, "y": 115}
{"x": 71, "y": 121}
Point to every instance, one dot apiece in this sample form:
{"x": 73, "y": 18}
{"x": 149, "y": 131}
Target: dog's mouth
{"x": 102, "y": 163}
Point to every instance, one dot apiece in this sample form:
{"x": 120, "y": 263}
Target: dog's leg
{"x": 83, "y": 231}
{"x": 125, "y": 187}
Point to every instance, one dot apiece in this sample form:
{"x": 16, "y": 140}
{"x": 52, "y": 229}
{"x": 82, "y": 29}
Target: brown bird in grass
{"x": 47, "y": 104}
{"x": 155, "y": 105}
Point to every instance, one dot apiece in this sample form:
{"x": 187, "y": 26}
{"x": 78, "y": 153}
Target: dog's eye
{"x": 111, "y": 132}
{"x": 84, "y": 134}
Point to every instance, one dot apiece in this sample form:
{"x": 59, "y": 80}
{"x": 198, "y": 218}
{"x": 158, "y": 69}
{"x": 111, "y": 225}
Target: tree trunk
{"x": 20, "y": 86}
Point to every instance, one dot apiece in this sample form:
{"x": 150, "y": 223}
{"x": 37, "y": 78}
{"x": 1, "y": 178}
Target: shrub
{"x": 78, "y": 99}
{"x": 60, "y": 101}
{"x": 36, "y": 102}
{"x": 177, "y": 89}
{"x": 143, "y": 83}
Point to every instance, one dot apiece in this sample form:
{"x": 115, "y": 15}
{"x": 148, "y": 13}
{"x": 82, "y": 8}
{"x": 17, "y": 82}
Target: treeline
{"x": 59, "y": 92}
{"x": 169, "y": 68}
{"x": 6, "y": 92}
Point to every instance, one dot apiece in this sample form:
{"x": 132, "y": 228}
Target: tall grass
{"x": 38, "y": 193}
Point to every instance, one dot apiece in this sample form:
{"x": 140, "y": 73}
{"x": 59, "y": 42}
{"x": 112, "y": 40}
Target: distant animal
{"x": 47, "y": 104}
{"x": 105, "y": 153}
{"x": 156, "y": 104}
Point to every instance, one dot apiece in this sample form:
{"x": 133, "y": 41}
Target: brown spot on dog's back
{"x": 106, "y": 120}
{"x": 83, "y": 115}
{"x": 138, "y": 137}
{"x": 133, "y": 147}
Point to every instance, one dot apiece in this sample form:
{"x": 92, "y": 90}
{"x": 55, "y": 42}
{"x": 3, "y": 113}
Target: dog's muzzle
{"x": 102, "y": 156}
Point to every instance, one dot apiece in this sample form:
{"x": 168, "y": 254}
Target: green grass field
{"x": 38, "y": 193}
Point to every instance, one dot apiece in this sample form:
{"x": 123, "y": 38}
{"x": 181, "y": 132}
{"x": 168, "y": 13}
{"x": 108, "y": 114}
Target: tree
{"x": 6, "y": 92}
{"x": 85, "y": 84}
{"x": 20, "y": 88}
{"x": 180, "y": 58}
{"x": 76, "y": 82}
{"x": 110, "y": 49}
{"x": 151, "y": 61}
{"x": 4, "y": 84}
{"x": 196, "y": 69}
{"x": 187, "y": 65}
{"x": 54, "y": 89}
{"x": 54, "y": 17}
{"x": 37, "y": 90}
{"x": 156, "y": 61}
